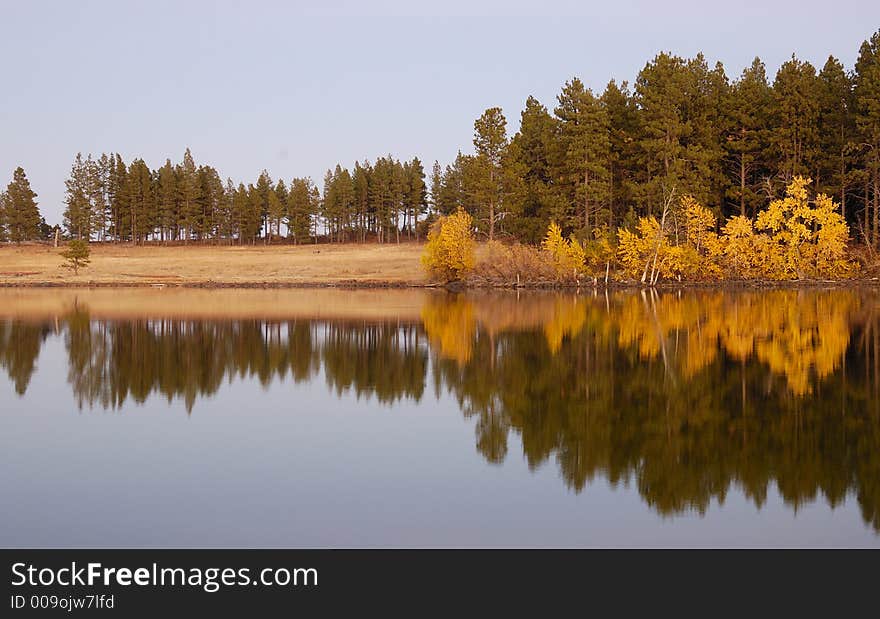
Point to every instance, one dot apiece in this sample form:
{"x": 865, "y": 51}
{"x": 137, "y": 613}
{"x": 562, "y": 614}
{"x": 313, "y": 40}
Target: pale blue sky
{"x": 296, "y": 87}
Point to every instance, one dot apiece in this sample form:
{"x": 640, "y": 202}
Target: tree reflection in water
{"x": 682, "y": 394}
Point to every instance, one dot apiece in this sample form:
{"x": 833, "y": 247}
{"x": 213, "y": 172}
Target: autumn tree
{"x": 450, "y": 251}
{"x": 807, "y": 236}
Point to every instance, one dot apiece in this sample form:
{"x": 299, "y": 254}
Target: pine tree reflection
{"x": 682, "y": 395}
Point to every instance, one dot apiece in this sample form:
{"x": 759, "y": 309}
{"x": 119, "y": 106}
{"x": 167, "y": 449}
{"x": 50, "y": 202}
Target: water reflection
{"x": 681, "y": 395}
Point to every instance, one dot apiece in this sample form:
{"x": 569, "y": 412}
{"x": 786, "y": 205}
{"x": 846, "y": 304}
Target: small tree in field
{"x": 449, "y": 253}
{"x": 77, "y": 255}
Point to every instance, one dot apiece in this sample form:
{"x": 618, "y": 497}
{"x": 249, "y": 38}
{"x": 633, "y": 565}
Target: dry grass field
{"x": 288, "y": 265}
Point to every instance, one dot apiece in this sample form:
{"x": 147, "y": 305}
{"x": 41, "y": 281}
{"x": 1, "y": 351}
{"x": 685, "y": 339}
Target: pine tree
{"x": 118, "y": 211}
{"x": 490, "y": 142}
{"x": 836, "y": 130}
{"x": 534, "y": 148}
{"x": 22, "y": 213}
{"x": 167, "y": 202}
{"x": 253, "y": 207}
{"x": 212, "y": 202}
{"x": 416, "y": 198}
{"x": 140, "y": 201}
{"x": 795, "y": 119}
{"x": 301, "y": 208}
{"x": 360, "y": 181}
{"x": 77, "y": 213}
{"x": 190, "y": 195}
{"x": 100, "y": 183}
{"x": 623, "y": 130}
{"x": 241, "y": 214}
{"x": 867, "y": 108}
{"x": 226, "y": 222}
{"x": 585, "y": 144}
{"x": 259, "y": 197}
{"x": 748, "y": 110}
{"x": 673, "y": 154}
{"x": 4, "y": 233}
{"x": 381, "y": 197}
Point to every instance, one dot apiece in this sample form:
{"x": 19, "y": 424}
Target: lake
{"x": 420, "y": 418}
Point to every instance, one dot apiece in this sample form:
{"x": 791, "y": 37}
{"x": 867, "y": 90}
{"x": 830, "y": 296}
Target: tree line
{"x": 107, "y": 200}
{"x": 595, "y": 162}
{"x": 601, "y": 161}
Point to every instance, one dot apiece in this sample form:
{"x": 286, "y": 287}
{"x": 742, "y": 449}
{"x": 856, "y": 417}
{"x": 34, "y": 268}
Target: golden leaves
{"x": 450, "y": 251}
{"x": 793, "y": 238}
{"x": 567, "y": 255}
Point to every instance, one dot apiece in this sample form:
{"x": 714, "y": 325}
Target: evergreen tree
{"x": 490, "y": 142}
{"x": 585, "y": 143}
{"x": 168, "y": 200}
{"x": 795, "y": 129}
{"x": 836, "y": 131}
{"x": 190, "y": 196}
{"x": 4, "y": 234}
{"x": 867, "y": 112}
{"x": 623, "y": 129}
{"x": 77, "y": 213}
{"x": 416, "y": 194}
{"x": 360, "y": 182}
{"x": 252, "y": 207}
{"x": 534, "y": 149}
{"x": 100, "y": 183}
{"x": 748, "y": 111}
{"x": 301, "y": 208}
{"x": 21, "y": 212}
{"x": 382, "y": 197}
{"x": 118, "y": 211}
{"x": 212, "y": 195}
{"x": 259, "y": 198}
{"x": 679, "y": 150}
{"x": 241, "y": 215}
{"x": 140, "y": 200}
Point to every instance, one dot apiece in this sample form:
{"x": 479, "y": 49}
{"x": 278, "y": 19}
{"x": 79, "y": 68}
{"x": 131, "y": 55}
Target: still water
{"x": 410, "y": 418}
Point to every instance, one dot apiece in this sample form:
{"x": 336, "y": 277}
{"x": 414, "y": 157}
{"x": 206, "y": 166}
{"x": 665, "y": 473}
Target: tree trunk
{"x": 876, "y": 199}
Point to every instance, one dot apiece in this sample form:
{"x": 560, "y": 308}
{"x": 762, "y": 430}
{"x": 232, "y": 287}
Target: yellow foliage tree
{"x": 567, "y": 255}
{"x": 449, "y": 254}
{"x": 637, "y": 249}
{"x": 805, "y": 239}
{"x": 648, "y": 250}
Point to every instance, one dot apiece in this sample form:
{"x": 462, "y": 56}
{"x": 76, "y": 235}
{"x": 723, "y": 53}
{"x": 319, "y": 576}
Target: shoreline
{"x": 449, "y": 287}
{"x": 327, "y": 266}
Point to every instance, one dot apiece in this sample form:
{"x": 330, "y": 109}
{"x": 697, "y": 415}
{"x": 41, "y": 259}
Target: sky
{"x": 295, "y": 87}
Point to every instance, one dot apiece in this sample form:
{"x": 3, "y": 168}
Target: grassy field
{"x": 34, "y": 264}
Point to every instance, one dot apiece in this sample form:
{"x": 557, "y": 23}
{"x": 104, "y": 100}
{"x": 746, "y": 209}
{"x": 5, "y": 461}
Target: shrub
{"x": 514, "y": 264}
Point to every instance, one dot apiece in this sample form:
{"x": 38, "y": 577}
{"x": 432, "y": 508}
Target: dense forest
{"x": 592, "y": 162}
{"x": 685, "y": 396}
